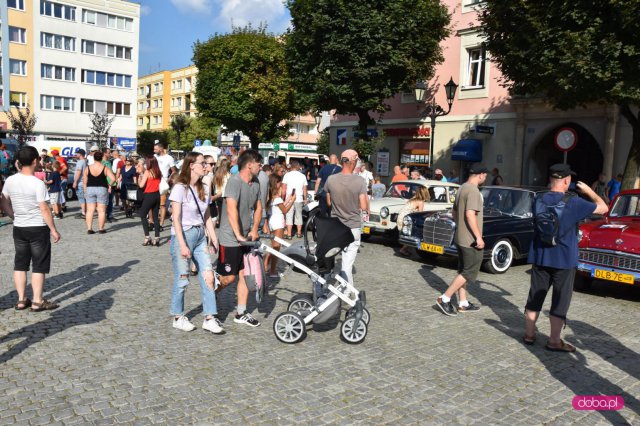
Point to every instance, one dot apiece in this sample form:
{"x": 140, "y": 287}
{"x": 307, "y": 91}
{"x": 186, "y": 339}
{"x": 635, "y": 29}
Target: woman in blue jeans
{"x": 192, "y": 224}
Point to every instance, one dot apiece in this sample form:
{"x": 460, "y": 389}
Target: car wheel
{"x": 502, "y": 255}
{"x": 582, "y": 282}
{"x": 69, "y": 194}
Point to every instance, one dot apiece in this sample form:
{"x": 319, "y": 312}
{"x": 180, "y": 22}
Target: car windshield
{"x": 626, "y": 205}
{"x": 402, "y": 190}
{"x": 507, "y": 201}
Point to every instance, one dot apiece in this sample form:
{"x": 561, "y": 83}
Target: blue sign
{"x": 128, "y": 144}
{"x": 341, "y": 137}
{"x": 467, "y": 150}
{"x": 372, "y": 133}
{"x": 197, "y": 142}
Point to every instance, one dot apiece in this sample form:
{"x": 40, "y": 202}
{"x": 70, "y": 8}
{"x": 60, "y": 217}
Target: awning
{"x": 467, "y": 150}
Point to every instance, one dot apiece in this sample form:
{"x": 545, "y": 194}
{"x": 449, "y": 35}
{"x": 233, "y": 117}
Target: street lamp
{"x": 433, "y": 110}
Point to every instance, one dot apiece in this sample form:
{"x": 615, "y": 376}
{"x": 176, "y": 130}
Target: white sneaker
{"x": 183, "y": 323}
{"x": 213, "y": 325}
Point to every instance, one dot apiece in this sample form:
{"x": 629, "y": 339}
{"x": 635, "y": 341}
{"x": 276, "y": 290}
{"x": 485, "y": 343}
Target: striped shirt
{"x": 25, "y": 194}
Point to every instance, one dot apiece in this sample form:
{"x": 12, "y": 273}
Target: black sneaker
{"x": 470, "y": 308}
{"x": 246, "y": 319}
{"x": 447, "y": 308}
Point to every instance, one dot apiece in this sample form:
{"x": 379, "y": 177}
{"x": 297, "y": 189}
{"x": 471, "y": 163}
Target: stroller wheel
{"x": 365, "y": 315}
{"x": 289, "y": 327}
{"x": 300, "y": 303}
{"x": 353, "y": 333}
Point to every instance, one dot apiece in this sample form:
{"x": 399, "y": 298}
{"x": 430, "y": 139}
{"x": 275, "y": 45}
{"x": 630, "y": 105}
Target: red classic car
{"x": 609, "y": 249}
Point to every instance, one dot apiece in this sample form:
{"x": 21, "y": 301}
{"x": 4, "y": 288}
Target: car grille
{"x": 374, "y": 218}
{"x": 609, "y": 259}
{"x": 438, "y": 231}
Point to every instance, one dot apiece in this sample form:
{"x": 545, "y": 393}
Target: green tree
{"x": 22, "y": 123}
{"x": 324, "y": 143}
{"x": 146, "y": 139}
{"x": 571, "y": 53}
{"x": 199, "y": 128}
{"x": 179, "y": 123}
{"x": 243, "y": 83}
{"x": 351, "y": 56}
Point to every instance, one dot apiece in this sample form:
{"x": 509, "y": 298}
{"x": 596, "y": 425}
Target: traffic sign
{"x": 197, "y": 142}
{"x": 566, "y": 139}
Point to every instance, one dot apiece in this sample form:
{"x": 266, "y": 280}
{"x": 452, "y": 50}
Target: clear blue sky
{"x": 170, "y": 27}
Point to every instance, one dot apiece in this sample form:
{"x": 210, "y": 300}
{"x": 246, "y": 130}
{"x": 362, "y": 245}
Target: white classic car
{"x": 384, "y": 211}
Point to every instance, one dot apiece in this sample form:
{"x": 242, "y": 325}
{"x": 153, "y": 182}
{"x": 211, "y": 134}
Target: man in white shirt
{"x": 295, "y": 181}
{"x": 167, "y": 166}
{"x": 92, "y": 150}
{"x": 26, "y": 200}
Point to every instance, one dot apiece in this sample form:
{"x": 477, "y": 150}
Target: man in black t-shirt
{"x": 330, "y": 169}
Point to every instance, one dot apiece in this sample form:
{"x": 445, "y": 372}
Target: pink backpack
{"x": 254, "y": 274}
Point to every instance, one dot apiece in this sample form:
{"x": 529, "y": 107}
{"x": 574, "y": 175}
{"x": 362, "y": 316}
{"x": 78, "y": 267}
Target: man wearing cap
{"x": 90, "y": 160}
{"x": 347, "y": 198}
{"x": 78, "y": 184}
{"x": 555, "y": 266}
{"x": 64, "y": 174}
{"x": 467, "y": 212}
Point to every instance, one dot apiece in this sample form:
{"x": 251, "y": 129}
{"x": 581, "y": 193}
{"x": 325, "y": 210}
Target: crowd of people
{"x": 215, "y": 205}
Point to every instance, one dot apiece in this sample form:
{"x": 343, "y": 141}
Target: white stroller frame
{"x": 291, "y": 326}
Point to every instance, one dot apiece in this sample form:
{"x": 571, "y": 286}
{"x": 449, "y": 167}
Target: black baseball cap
{"x": 81, "y": 152}
{"x": 559, "y": 171}
{"x": 478, "y": 169}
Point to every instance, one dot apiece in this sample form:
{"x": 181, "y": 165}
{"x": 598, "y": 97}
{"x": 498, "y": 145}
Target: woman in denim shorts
{"x": 96, "y": 192}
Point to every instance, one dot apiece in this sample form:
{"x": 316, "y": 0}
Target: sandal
{"x": 147, "y": 241}
{"x": 298, "y": 235}
{"x": 91, "y": 231}
{"x": 45, "y": 305}
{"x": 102, "y": 231}
{"x": 155, "y": 243}
{"x": 25, "y": 304}
{"x": 564, "y": 347}
{"x": 529, "y": 340}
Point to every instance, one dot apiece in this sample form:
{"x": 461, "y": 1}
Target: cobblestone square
{"x": 109, "y": 354}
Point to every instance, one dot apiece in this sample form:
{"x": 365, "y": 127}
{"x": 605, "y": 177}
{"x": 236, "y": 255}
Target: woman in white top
{"x": 278, "y": 209}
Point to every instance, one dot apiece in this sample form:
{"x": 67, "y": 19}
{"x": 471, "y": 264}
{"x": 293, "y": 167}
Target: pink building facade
{"x": 485, "y": 124}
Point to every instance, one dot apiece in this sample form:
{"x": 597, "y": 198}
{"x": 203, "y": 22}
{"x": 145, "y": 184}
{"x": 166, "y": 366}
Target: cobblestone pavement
{"x": 109, "y": 353}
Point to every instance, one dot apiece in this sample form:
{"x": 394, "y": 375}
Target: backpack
{"x": 254, "y": 274}
{"x": 547, "y": 219}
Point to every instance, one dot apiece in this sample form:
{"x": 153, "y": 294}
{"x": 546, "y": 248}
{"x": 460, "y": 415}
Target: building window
{"x": 102, "y": 78}
{"x": 176, "y": 84}
{"x": 475, "y": 68}
{"x": 57, "y": 72}
{"x": 109, "y": 50}
{"x": 141, "y": 91}
{"x": 114, "y": 108}
{"x": 105, "y": 20}
{"x": 17, "y": 35}
{"x": 16, "y": 4}
{"x": 57, "y": 103}
{"x": 56, "y": 41}
{"x": 140, "y": 121}
{"x": 17, "y": 67}
{"x": 157, "y": 87}
{"x": 140, "y": 106}
{"x": 18, "y": 99}
{"x": 57, "y": 10}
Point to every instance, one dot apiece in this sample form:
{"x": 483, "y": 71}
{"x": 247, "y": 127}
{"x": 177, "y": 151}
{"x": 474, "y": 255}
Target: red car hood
{"x": 615, "y": 234}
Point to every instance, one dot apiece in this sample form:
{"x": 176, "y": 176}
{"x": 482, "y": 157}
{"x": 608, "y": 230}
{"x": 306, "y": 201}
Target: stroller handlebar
{"x": 254, "y": 244}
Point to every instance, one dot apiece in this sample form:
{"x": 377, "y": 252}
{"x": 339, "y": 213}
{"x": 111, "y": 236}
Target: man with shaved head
{"x": 330, "y": 169}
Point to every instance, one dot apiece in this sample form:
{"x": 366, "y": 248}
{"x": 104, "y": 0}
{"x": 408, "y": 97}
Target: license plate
{"x": 432, "y": 248}
{"x": 366, "y": 230}
{"x": 613, "y": 276}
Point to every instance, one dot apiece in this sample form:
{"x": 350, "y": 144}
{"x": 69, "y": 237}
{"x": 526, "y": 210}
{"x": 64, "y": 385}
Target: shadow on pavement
{"x": 571, "y": 370}
{"x": 73, "y": 283}
{"x": 87, "y": 311}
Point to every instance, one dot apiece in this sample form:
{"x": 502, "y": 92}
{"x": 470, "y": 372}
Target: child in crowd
{"x": 377, "y": 189}
{"x": 54, "y": 185}
{"x": 278, "y": 208}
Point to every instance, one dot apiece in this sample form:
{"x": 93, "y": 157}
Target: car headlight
{"x": 580, "y": 235}
{"x": 407, "y": 224}
{"x": 384, "y": 212}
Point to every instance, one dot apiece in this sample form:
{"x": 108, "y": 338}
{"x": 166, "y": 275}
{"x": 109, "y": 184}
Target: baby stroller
{"x": 316, "y": 259}
{"x": 134, "y": 199}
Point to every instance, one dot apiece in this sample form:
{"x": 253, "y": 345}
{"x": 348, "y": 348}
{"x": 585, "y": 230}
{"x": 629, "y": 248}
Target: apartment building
{"x": 67, "y": 59}
{"x": 486, "y": 124}
{"x": 165, "y": 94}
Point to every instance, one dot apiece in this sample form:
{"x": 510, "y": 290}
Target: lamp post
{"x": 433, "y": 110}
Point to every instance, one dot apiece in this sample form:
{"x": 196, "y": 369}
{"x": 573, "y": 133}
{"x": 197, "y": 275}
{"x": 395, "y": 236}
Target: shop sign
{"x": 413, "y": 132}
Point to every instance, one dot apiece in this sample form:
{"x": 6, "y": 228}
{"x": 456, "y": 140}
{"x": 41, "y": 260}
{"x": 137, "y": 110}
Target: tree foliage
{"x": 146, "y": 139}
{"x": 571, "y": 53}
{"x": 179, "y": 123}
{"x": 199, "y": 128}
{"x": 100, "y": 128}
{"x": 243, "y": 83}
{"x": 324, "y": 144}
{"x": 351, "y": 56}
{"x": 22, "y": 123}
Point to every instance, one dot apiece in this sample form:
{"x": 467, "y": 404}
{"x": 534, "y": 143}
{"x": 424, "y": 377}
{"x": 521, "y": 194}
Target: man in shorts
{"x": 25, "y": 199}
{"x": 295, "y": 181}
{"x": 348, "y": 200}
{"x": 467, "y": 212}
{"x": 555, "y": 266}
{"x": 242, "y": 200}
{"x": 167, "y": 167}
